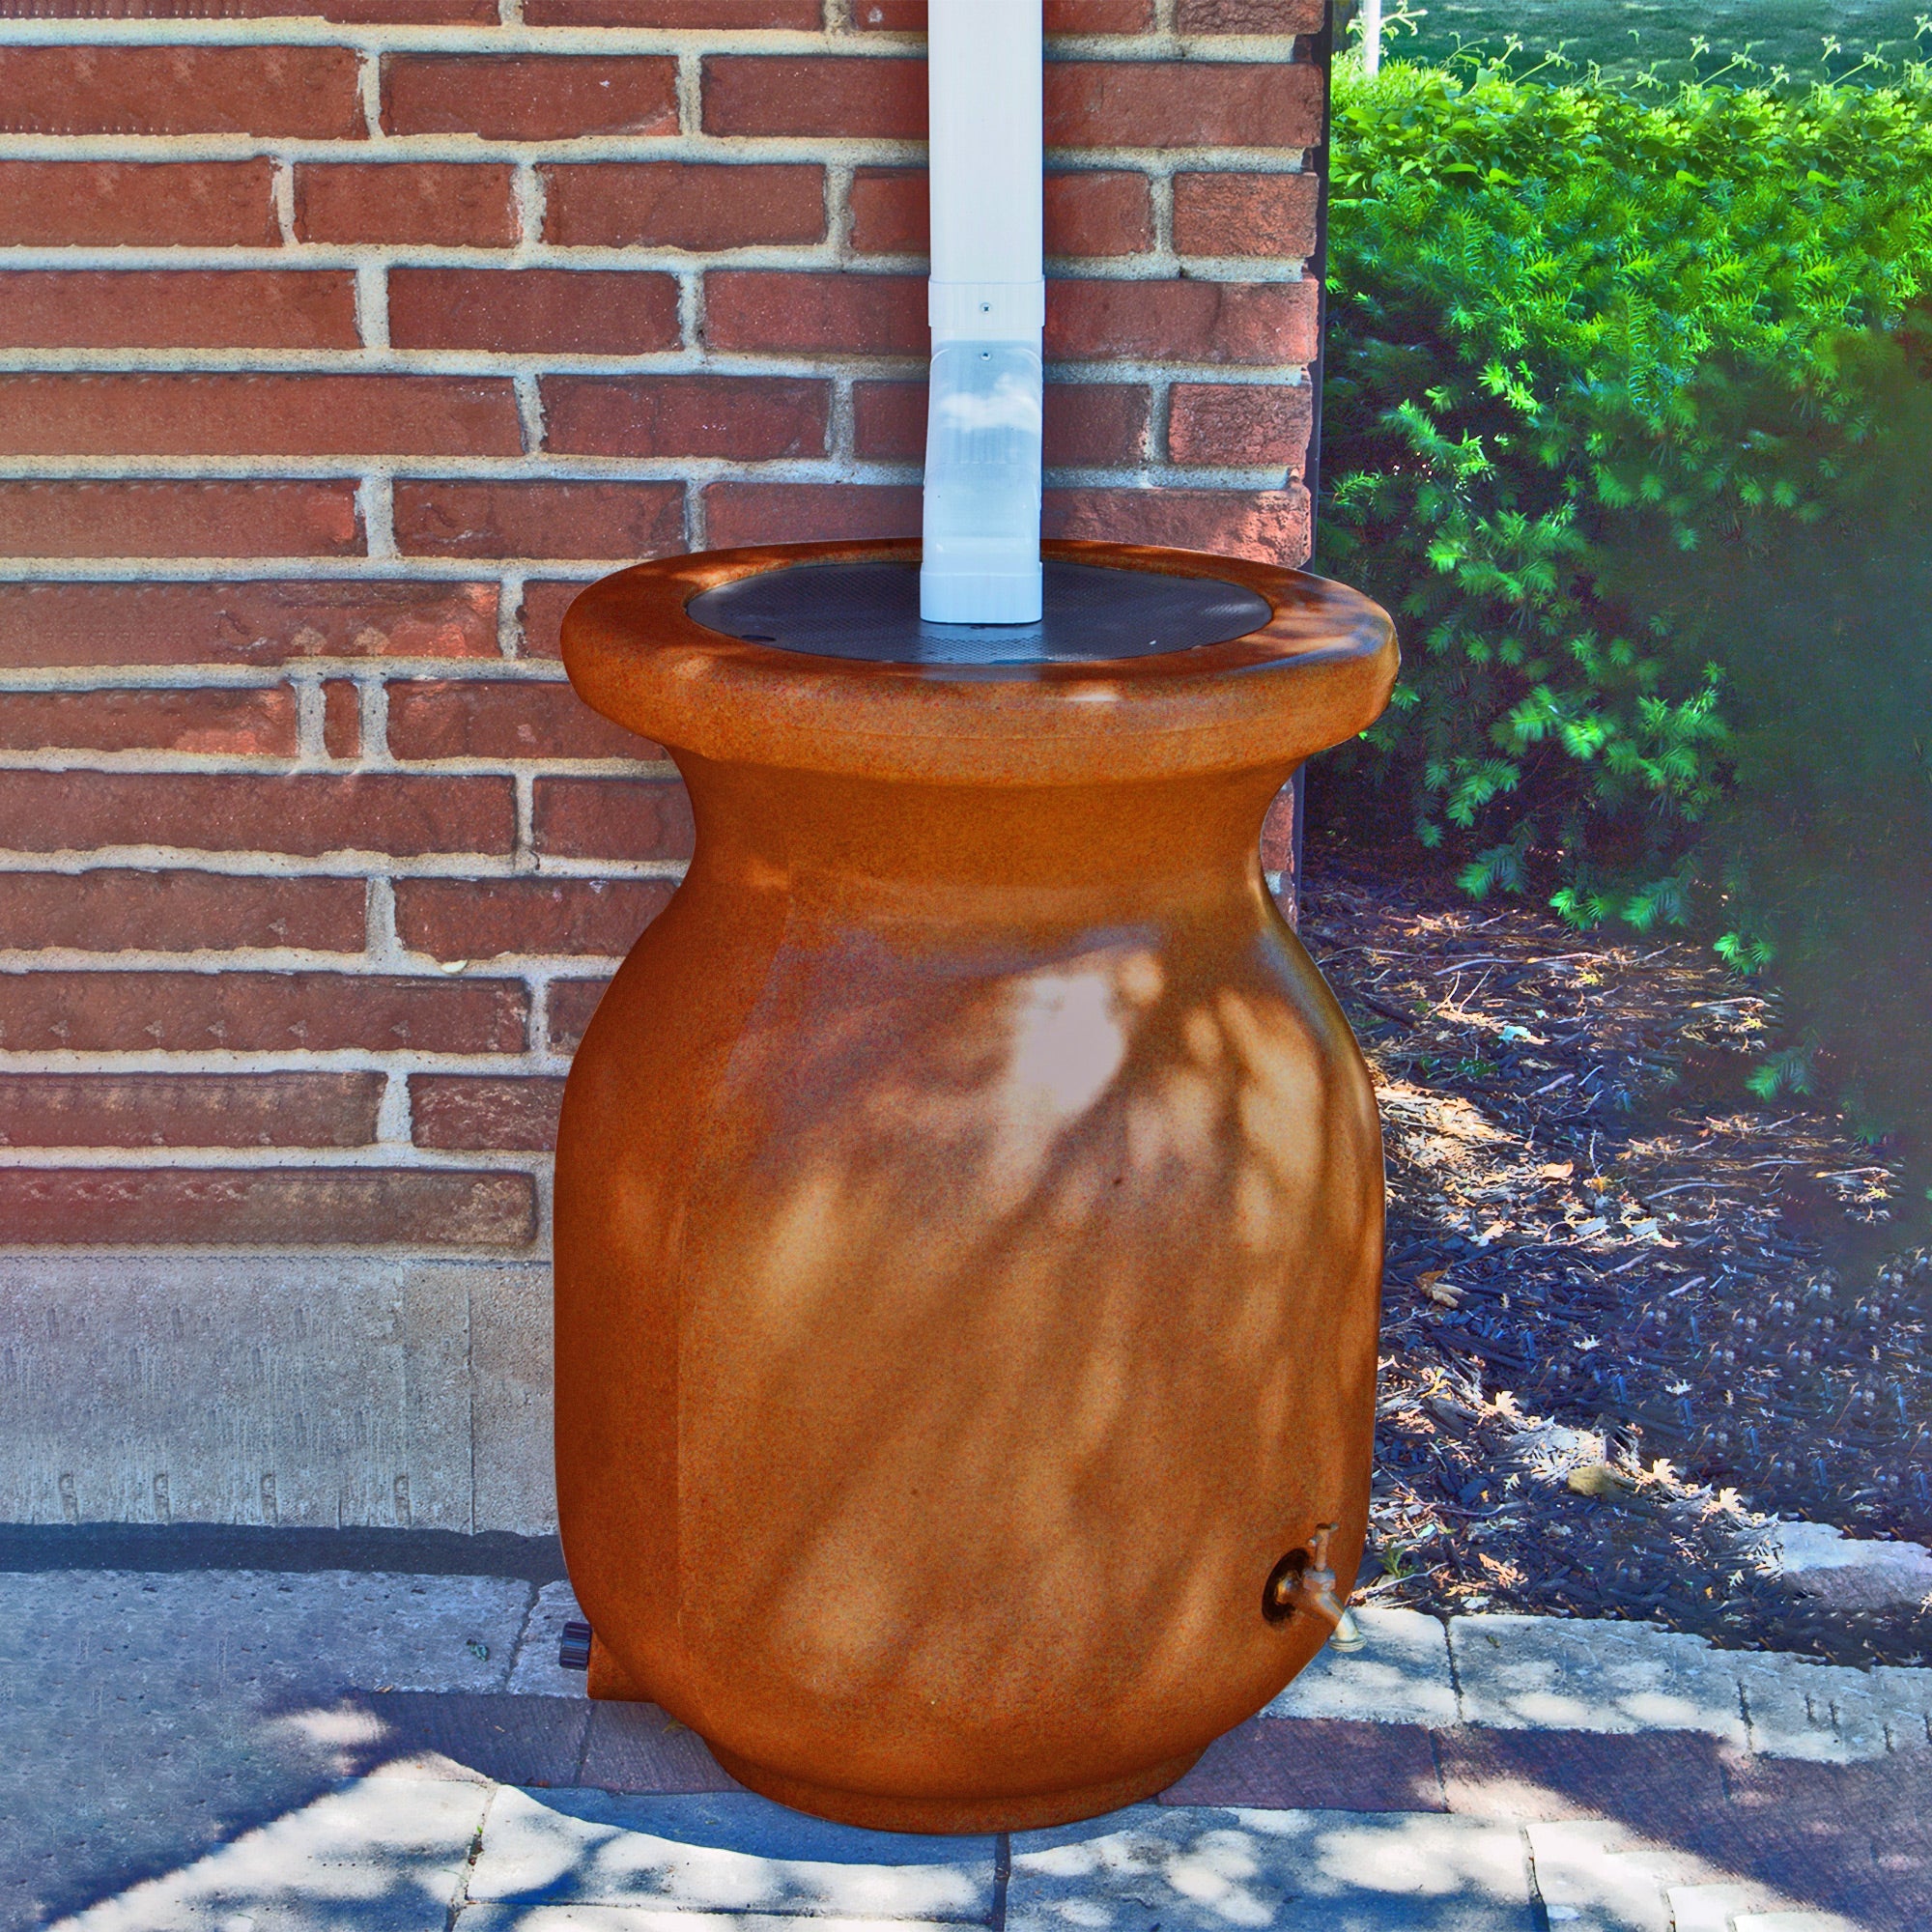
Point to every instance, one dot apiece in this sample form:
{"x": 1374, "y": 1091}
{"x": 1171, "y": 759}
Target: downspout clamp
{"x": 987, "y": 306}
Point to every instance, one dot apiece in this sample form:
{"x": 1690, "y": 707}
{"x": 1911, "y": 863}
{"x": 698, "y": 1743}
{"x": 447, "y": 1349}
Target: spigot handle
{"x": 1311, "y": 1587}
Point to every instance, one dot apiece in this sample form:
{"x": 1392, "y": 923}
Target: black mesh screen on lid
{"x": 870, "y": 610}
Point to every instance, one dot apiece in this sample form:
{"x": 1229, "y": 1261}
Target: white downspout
{"x": 987, "y": 303}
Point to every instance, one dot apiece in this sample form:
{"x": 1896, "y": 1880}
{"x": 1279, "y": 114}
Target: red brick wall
{"x": 334, "y": 354}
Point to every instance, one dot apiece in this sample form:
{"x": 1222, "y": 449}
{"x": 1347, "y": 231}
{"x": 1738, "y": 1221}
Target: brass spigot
{"x": 1310, "y": 1585}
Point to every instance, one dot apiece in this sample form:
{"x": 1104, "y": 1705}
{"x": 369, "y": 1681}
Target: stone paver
{"x": 726, "y": 1852}
{"x": 382, "y": 1856}
{"x": 264, "y": 1628}
{"x": 654, "y": 1919}
{"x": 1596, "y": 1877}
{"x": 1210, "y": 1870}
{"x": 534, "y": 1670}
{"x": 1715, "y": 1908}
{"x": 1401, "y": 1675}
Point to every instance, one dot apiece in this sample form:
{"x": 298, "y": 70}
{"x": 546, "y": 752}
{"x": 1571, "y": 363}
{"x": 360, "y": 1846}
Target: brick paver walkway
{"x": 249, "y": 1751}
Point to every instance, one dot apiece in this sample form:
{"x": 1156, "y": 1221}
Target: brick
{"x": 1241, "y": 425}
{"x": 359, "y": 13}
{"x": 612, "y": 818}
{"x": 341, "y": 719}
{"x": 1063, "y": 16}
{"x": 303, "y": 813}
{"x": 639, "y": 1748}
{"x": 747, "y": 417}
{"x": 890, "y": 212}
{"x": 1647, "y": 1782}
{"x": 628, "y": 521}
{"x": 1097, "y": 425}
{"x": 433, "y": 718}
{"x": 568, "y": 1004}
{"x": 889, "y": 422}
{"x": 115, "y": 911}
{"x": 320, "y": 1207}
{"x": 1099, "y": 16}
{"x": 379, "y": 12}
{"x": 682, "y": 205}
{"x": 800, "y": 15}
{"x": 258, "y": 415}
{"x": 774, "y": 310}
{"x": 1102, "y": 213}
{"x": 465, "y": 919}
{"x": 1182, "y": 105}
{"x": 180, "y": 519}
{"x": 762, "y": 513}
{"x": 839, "y": 96}
{"x": 144, "y": 204}
{"x": 478, "y": 1112}
{"x": 580, "y": 311}
{"x": 1316, "y": 1765}
{"x": 1261, "y": 323}
{"x": 542, "y": 617}
{"x": 1270, "y": 526}
{"x": 299, "y": 93}
{"x": 1088, "y": 425}
{"x": 259, "y": 1013}
{"x": 265, "y": 623}
{"x": 243, "y": 723}
{"x": 1249, "y": 16}
{"x": 184, "y": 308}
{"x": 189, "y": 1110}
{"x": 494, "y": 1737}
{"x": 1270, "y": 216}
{"x": 529, "y": 97}
{"x": 451, "y": 204}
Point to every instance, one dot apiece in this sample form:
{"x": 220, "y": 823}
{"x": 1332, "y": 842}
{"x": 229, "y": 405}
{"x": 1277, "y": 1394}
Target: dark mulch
{"x": 1610, "y": 1265}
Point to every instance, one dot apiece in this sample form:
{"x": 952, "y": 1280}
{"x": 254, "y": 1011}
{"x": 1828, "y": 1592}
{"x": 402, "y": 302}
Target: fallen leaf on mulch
{"x": 1599, "y": 1479}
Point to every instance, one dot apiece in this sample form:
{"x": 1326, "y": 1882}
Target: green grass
{"x": 1628, "y": 37}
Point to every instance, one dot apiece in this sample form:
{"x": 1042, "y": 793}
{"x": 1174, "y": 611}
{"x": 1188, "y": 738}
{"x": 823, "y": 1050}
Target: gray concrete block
{"x": 1400, "y": 1676}
{"x": 732, "y": 1852}
{"x": 1210, "y": 1870}
{"x": 248, "y": 1633}
{"x": 1554, "y": 1673}
{"x": 1799, "y": 1707}
{"x": 1852, "y": 1572}
{"x": 534, "y": 1670}
{"x": 1907, "y": 1697}
{"x": 383, "y": 1856}
{"x": 305, "y": 1389}
{"x": 511, "y": 1407}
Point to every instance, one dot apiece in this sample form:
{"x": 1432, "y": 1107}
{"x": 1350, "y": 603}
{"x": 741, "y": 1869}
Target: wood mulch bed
{"x": 1632, "y": 1315}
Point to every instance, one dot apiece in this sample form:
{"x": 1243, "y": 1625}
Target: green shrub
{"x": 1604, "y": 369}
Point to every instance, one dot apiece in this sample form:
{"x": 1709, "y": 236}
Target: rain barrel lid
{"x": 869, "y": 611}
